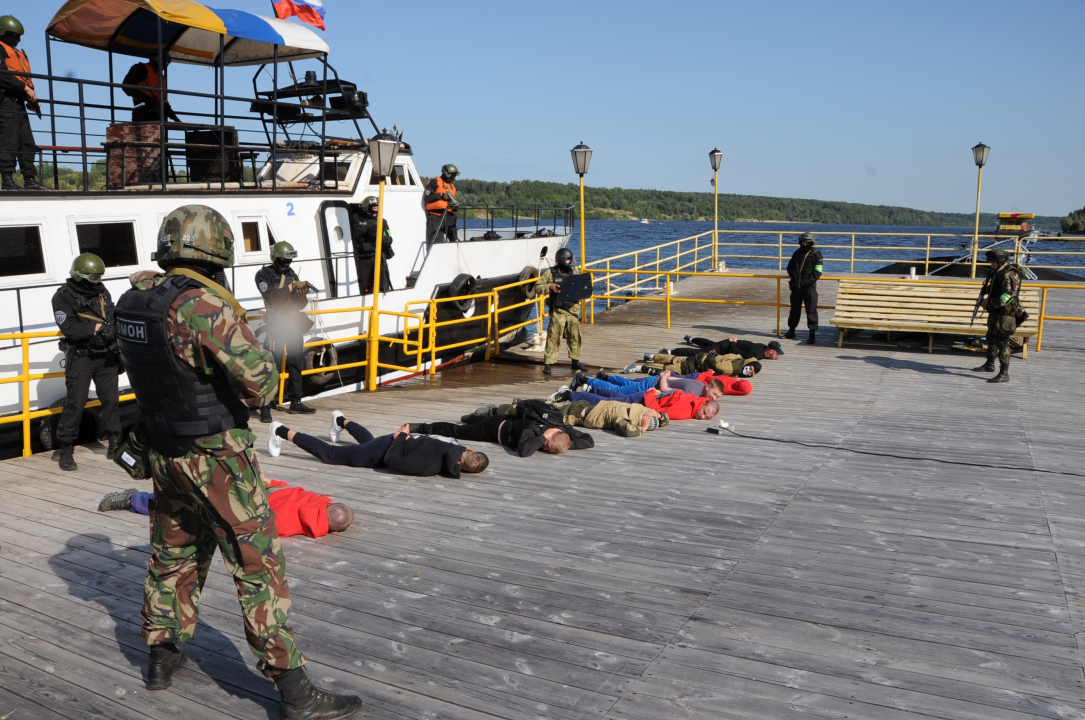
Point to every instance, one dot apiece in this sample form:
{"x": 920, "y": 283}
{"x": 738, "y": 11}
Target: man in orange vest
{"x": 441, "y": 206}
{"x": 146, "y": 101}
{"x": 16, "y": 95}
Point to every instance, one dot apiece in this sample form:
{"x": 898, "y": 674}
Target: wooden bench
{"x": 930, "y": 308}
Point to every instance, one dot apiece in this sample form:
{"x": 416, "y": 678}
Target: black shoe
{"x": 265, "y": 414}
{"x": 664, "y": 351}
{"x": 111, "y": 449}
{"x": 418, "y": 428}
{"x": 578, "y": 381}
{"x": 790, "y": 334}
{"x": 1003, "y": 375}
{"x": 577, "y": 365}
{"x": 810, "y": 340}
{"x": 301, "y": 700}
{"x": 67, "y": 458}
{"x": 480, "y": 414}
{"x": 988, "y": 366}
{"x": 548, "y": 370}
{"x": 299, "y": 408}
{"x": 8, "y": 183}
{"x": 602, "y": 375}
{"x": 117, "y": 500}
{"x": 32, "y": 184}
{"x": 166, "y": 659}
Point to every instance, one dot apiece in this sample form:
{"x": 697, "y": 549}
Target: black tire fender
{"x": 462, "y": 284}
{"x": 318, "y": 357}
{"x": 528, "y": 291}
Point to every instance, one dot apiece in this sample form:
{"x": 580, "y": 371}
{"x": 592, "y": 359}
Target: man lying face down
{"x": 398, "y": 452}
{"x": 703, "y": 384}
{"x": 625, "y": 419}
{"x": 733, "y": 365}
{"x": 677, "y": 404}
{"x": 532, "y": 426}
{"x": 729, "y": 346}
{"x": 297, "y": 511}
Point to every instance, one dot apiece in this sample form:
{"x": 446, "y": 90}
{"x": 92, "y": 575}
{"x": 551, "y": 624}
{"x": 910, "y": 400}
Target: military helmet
{"x": 88, "y": 267}
{"x": 450, "y": 171}
{"x": 9, "y": 24}
{"x": 997, "y": 255}
{"x": 195, "y": 232}
{"x": 564, "y": 257}
{"x": 283, "y": 250}
{"x": 369, "y": 203}
{"x": 807, "y": 237}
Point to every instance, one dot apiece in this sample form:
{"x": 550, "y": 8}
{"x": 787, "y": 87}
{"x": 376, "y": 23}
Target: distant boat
{"x": 645, "y": 222}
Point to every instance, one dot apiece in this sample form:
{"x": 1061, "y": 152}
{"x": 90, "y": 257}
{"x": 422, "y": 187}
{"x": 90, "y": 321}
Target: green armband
{"x": 1005, "y": 298}
{"x": 818, "y": 268}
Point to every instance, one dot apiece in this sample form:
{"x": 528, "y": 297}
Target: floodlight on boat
{"x": 383, "y": 148}
{"x": 581, "y": 158}
{"x": 979, "y": 153}
{"x": 715, "y": 157}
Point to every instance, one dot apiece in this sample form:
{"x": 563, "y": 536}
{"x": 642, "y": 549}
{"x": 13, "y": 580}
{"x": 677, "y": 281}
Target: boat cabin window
{"x": 336, "y": 171}
{"x": 399, "y": 176}
{"x": 115, "y": 242}
{"x": 250, "y": 230}
{"x": 20, "y": 251}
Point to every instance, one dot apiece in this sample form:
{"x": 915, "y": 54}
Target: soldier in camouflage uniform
{"x": 1003, "y": 306}
{"x": 564, "y": 317}
{"x": 196, "y": 369}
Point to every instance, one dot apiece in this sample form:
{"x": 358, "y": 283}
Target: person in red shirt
{"x": 681, "y": 405}
{"x": 297, "y": 511}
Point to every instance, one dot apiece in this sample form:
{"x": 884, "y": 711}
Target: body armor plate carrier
{"x": 178, "y": 404}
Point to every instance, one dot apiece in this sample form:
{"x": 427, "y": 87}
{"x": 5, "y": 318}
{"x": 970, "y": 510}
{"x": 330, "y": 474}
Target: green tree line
{"x": 1074, "y": 223}
{"x": 620, "y": 203}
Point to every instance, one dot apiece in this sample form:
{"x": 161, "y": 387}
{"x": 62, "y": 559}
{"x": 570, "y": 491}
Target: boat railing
{"x": 225, "y": 143}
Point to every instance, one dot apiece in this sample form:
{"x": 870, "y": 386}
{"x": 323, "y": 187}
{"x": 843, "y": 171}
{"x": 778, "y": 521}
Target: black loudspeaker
{"x": 204, "y": 162}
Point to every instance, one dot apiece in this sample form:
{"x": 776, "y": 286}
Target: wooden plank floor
{"x": 677, "y": 575}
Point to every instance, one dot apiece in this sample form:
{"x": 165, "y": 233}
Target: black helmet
{"x": 369, "y": 205}
{"x": 449, "y": 172}
{"x": 997, "y": 255}
{"x": 807, "y": 237}
{"x": 564, "y": 257}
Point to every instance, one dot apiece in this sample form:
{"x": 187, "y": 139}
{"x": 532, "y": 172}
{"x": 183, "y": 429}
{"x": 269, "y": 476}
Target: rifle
{"x": 979, "y": 300}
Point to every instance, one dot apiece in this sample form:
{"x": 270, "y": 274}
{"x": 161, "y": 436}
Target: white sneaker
{"x": 559, "y": 394}
{"x": 335, "y": 431}
{"x": 649, "y": 357}
{"x": 274, "y": 442}
{"x": 631, "y": 368}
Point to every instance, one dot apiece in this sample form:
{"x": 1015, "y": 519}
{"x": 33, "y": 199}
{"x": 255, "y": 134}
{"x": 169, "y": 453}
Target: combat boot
{"x": 265, "y": 414}
{"x": 547, "y": 369}
{"x": 67, "y": 458}
{"x": 301, "y": 700}
{"x": 577, "y": 365}
{"x": 32, "y": 183}
{"x": 812, "y": 339}
{"x": 7, "y": 182}
{"x": 988, "y": 366}
{"x": 790, "y": 334}
{"x": 111, "y": 449}
{"x": 481, "y": 413}
{"x": 299, "y": 408}
{"x": 1003, "y": 374}
{"x": 166, "y": 659}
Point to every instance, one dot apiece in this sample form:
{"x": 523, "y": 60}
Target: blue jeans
{"x": 597, "y": 397}
{"x": 618, "y": 385}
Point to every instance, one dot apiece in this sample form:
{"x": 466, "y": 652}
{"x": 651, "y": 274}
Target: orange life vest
{"x": 17, "y": 61}
{"x": 437, "y": 207}
{"x": 151, "y": 81}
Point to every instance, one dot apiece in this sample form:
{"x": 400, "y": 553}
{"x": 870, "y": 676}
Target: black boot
{"x": 166, "y": 659}
{"x": 7, "y": 182}
{"x": 988, "y": 366}
{"x": 299, "y": 408}
{"x": 111, "y": 449}
{"x": 790, "y": 334}
{"x": 577, "y": 365}
{"x": 547, "y": 370}
{"x": 117, "y": 500}
{"x": 1003, "y": 373}
{"x": 67, "y": 458}
{"x": 481, "y": 413}
{"x": 31, "y": 183}
{"x": 811, "y": 340}
{"x": 602, "y": 375}
{"x": 418, "y": 428}
{"x": 265, "y": 414}
{"x": 301, "y": 700}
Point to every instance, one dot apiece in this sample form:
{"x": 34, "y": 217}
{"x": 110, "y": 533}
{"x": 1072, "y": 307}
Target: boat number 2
{"x": 290, "y": 208}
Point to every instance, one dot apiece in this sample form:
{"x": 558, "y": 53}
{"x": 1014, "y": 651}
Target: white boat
{"x": 644, "y": 222}
{"x": 286, "y": 180}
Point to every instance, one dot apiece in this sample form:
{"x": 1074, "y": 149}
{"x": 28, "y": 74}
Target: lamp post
{"x": 715, "y": 157}
{"x": 979, "y": 154}
{"x": 581, "y": 159}
{"x": 383, "y": 149}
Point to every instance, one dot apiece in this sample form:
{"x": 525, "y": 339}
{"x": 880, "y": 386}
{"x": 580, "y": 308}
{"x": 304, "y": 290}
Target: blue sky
{"x": 862, "y": 102}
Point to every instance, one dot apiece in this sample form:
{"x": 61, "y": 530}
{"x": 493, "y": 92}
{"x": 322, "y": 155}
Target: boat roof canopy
{"x": 190, "y": 32}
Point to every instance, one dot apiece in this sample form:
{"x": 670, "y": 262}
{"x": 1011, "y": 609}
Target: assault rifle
{"x": 979, "y": 300}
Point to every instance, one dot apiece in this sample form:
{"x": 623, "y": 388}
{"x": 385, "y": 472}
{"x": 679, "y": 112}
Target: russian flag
{"x": 308, "y": 11}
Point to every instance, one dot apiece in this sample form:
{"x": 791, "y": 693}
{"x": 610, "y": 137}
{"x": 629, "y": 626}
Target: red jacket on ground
{"x": 298, "y": 511}
{"x": 679, "y": 405}
{"x": 732, "y": 386}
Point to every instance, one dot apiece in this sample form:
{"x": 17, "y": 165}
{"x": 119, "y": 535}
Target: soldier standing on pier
{"x": 1003, "y": 287}
{"x": 284, "y": 296}
{"x": 803, "y": 272}
{"x": 196, "y": 368}
{"x": 564, "y": 317}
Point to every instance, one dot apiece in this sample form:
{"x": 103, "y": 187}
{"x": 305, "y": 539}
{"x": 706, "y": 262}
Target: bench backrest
{"x": 916, "y": 305}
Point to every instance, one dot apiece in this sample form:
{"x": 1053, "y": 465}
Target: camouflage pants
{"x": 214, "y": 497}
{"x": 999, "y": 331}
{"x": 679, "y": 365}
{"x": 562, "y": 325}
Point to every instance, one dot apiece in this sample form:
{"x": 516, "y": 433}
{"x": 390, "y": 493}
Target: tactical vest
{"x": 998, "y": 288}
{"x": 92, "y": 308}
{"x": 17, "y": 61}
{"x": 178, "y": 404}
{"x": 437, "y": 207}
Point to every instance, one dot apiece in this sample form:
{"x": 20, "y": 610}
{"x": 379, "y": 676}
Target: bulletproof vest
{"x": 559, "y": 278}
{"x": 90, "y": 307}
{"x": 178, "y": 404}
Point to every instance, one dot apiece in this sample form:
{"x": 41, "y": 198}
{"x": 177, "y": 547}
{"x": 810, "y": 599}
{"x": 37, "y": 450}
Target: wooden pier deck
{"x": 677, "y": 575}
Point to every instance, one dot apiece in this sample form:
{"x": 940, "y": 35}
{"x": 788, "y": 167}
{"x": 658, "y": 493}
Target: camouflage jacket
{"x": 209, "y": 336}
{"x": 1002, "y": 295}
